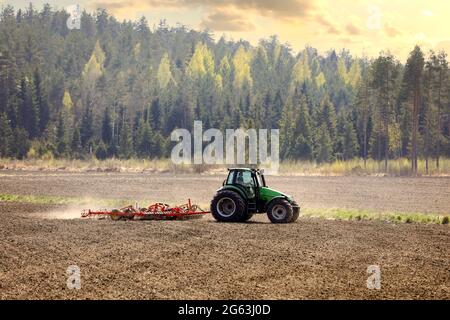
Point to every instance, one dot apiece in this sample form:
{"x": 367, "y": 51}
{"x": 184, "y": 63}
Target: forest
{"x": 119, "y": 88}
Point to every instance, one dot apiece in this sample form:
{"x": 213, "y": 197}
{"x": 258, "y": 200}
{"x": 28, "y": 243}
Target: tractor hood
{"x": 268, "y": 194}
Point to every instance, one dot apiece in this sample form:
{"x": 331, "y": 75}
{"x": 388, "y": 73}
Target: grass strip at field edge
{"x": 358, "y": 214}
{"x": 331, "y": 213}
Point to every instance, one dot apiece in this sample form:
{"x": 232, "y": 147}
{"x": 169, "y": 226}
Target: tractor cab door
{"x": 245, "y": 181}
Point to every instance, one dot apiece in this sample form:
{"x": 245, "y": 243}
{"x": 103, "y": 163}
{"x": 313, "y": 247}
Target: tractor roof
{"x": 243, "y": 169}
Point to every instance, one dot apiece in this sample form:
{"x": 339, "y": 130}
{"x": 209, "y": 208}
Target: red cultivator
{"x": 157, "y": 211}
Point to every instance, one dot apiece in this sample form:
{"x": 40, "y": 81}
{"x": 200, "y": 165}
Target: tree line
{"x": 118, "y": 89}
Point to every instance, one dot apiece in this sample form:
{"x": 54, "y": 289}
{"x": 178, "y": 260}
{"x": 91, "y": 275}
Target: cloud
{"x": 226, "y": 21}
{"x": 229, "y": 15}
{"x": 327, "y": 23}
{"x": 279, "y": 9}
{"x": 353, "y": 29}
{"x": 392, "y": 31}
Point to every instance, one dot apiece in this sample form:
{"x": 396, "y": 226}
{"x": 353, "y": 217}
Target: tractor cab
{"x": 247, "y": 180}
{"x": 245, "y": 193}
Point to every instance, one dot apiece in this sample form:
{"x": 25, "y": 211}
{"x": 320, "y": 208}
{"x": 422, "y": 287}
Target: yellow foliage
{"x": 242, "y": 69}
{"x": 320, "y": 79}
{"x": 354, "y": 75}
{"x": 395, "y": 138}
{"x": 276, "y": 52}
{"x": 202, "y": 62}
{"x": 99, "y": 53}
{"x": 164, "y": 74}
{"x": 67, "y": 101}
{"x": 93, "y": 69}
{"x": 224, "y": 67}
{"x": 137, "y": 50}
{"x": 342, "y": 70}
{"x": 301, "y": 71}
{"x": 218, "y": 82}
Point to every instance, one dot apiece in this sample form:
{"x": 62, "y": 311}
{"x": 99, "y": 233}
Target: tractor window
{"x": 245, "y": 178}
{"x": 230, "y": 177}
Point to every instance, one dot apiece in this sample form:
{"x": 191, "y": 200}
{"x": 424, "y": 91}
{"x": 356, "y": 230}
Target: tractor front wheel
{"x": 280, "y": 211}
{"x": 228, "y": 206}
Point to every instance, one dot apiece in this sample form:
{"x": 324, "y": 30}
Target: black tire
{"x": 295, "y": 215}
{"x": 246, "y": 217}
{"x": 228, "y": 206}
{"x": 296, "y": 212}
{"x": 280, "y": 211}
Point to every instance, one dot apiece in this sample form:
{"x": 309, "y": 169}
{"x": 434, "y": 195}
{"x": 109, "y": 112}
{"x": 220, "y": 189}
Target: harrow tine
{"x": 156, "y": 211}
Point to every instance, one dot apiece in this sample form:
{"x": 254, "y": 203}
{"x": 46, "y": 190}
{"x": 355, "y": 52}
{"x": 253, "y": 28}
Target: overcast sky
{"x": 363, "y": 26}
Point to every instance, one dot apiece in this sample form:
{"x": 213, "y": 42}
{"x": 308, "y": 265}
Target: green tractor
{"x": 245, "y": 193}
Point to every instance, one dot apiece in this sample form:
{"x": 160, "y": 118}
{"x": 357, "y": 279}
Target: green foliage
{"x": 6, "y": 136}
{"x": 125, "y": 141}
{"x": 101, "y": 152}
{"x": 324, "y": 145}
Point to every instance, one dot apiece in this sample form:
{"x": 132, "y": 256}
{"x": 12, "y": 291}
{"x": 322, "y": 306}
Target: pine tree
{"x": 107, "y": 127}
{"x": 6, "y": 136}
{"x": 303, "y": 133}
{"x": 28, "y": 109}
{"x": 412, "y": 80}
{"x": 41, "y": 100}
{"x": 76, "y": 146}
{"x": 144, "y": 143}
{"x": 363, "y": 111}
{"x": 20, "y": 144}
{"x": 101, "y": 152}
{"x": 384, "y": 74}
{"x": 286, "y": 131}
{"x": 86, "y": 129}
{"x": 324, "y": 145}
{"x": 327, "y": 117}
{"x": 61, "y": 143}
{"x": 442, "y": 99}
{"x": 125, "y": 141}
{"x": 349, "y": 141}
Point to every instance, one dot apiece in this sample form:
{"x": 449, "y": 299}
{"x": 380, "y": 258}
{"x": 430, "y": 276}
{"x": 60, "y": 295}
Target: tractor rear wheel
{"x": 246, "y": 217}
{"x": 228, "y": 206}
{"x": 280, "y": 211}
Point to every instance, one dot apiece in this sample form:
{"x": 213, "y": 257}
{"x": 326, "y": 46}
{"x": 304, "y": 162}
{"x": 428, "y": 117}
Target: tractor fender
{"x": 235, "y": 189}
{"x": 273, "y": 199}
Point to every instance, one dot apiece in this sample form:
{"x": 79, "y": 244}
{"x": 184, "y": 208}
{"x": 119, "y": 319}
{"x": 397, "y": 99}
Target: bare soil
{"x": 426, "y": 195}
{"x": 202, "y": 259}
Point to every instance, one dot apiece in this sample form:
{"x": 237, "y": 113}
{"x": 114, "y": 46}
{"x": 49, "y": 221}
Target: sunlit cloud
{"x": 362, "y": 26}
{"x": 227, "y": 21}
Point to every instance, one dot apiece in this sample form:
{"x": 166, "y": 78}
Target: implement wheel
{"x": 116, "y": 217}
